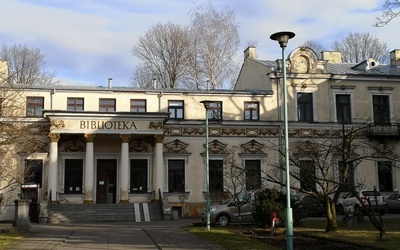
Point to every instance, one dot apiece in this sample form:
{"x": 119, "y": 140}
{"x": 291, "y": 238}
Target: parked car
{"x": 310, "y": 206}
{"x": 393, "y": 203}
{"x": 228, "y": 211}
{"x": 350, "y": 201}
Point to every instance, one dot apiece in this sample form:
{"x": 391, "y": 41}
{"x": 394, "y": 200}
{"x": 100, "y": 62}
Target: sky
{"x": 88, "y": 41}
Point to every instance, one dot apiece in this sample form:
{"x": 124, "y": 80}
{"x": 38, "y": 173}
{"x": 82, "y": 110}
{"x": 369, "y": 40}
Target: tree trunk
{"x": 331, "y": 216}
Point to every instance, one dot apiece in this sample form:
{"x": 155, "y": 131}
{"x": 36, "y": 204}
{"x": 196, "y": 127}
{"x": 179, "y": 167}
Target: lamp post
{"x": 206, "y": 106}
{"x": 283, "y": 38}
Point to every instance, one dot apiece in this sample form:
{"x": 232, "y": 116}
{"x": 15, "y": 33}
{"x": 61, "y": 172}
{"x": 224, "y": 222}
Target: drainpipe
{"x": 51, "y": 98}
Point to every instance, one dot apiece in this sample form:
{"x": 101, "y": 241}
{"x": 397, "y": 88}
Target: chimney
{"x": 332, "y": 56}
{"x": 109, "y": 83}
{"x": 250, "y": 52}
{"x": 3, "y": 71}
{"x": 154, "y": 82}
{"x": 395, "y": 57}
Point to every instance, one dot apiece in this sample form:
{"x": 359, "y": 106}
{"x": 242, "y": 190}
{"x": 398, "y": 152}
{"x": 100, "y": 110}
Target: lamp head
{"x": 206, "y": 103}
{"x": 282, "y": 37}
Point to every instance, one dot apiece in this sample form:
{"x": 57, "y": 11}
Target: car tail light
{"x": 364, "y": 200}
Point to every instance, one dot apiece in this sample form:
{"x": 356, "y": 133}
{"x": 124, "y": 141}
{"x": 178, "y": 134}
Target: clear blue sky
{"x": 88, "y": 41}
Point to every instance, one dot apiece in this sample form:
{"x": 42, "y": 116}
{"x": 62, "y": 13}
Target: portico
{"x": 99, "y": 148}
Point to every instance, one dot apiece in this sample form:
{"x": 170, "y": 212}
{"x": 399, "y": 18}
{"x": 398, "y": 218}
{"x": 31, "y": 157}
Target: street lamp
{"x": 206, "y": 104}
{"x": 283, "y": 38}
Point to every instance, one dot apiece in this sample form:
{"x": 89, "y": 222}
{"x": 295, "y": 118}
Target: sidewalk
{"x": 129, "y": 235}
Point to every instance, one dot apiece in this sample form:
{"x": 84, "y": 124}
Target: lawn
{"x": 6, "y": 238}
{"x": 236, "y": 237}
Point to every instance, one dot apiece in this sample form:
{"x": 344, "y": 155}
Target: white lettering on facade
{"x": 120, "y": 125}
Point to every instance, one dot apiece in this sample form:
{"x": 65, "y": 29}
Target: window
{"x": 176, "y": 175}
{"x": 33, "y": 172}
{"x": 381, "y": 109}
{"x": 214, "y": 111}
{"x": 138, "y": 175}
{"x": 34, "y": 106}
{"x": 107, "y": 105}
{"x": 307, "y": 175}
{"x": 385, "y": 176}
{"x": 175, "y": 109}
{"x": 251, "y": 110}
{"x": 253, "y": 174}
{"x": 343, "y": 109}
{"x": 305, "y": 107}
{"x": 138, "y": 105}
{"x": 73, "y": 176}
{"x": 216, "y": 176}
{"x": 348, "y": 184}
{"x": 74, "y": 103}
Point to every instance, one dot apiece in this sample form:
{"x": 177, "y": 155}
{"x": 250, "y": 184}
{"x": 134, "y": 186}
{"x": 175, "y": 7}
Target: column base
{"x": 124, "y": 201}
{"x": 87, "y": 202}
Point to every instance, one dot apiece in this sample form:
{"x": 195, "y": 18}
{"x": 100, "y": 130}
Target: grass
{"x": 229, "y": 238}
{"x": 362, "y": 234}
{"x": 7, "y": 238}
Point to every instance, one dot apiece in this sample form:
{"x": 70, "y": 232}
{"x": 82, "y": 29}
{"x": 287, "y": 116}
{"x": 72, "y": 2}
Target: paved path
{"x": 129, "y": 235}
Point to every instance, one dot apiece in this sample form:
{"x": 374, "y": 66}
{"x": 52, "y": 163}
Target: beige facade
{"x": 126, "y": 145}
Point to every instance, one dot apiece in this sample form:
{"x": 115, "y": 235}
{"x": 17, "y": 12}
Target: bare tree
{"x": 391, "y": 10}
{"x": 19, "y": 136}
{"x": 316, "y": 46}
{"x": 26, "y": 65}
{"x": 216, "y": 38}
{"x": 324, "y": 168}
{"x": 164, "y": 52}
{"x": 356, "y": 47}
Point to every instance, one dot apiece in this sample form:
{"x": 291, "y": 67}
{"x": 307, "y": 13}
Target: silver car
{"x": 228, "y": 211}
{"x": 393, "y": 203}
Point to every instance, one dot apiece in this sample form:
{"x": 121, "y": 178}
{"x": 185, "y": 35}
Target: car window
{"x": 370, "y": 193}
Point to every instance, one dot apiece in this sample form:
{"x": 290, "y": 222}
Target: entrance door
{"x": 106, "y": 181}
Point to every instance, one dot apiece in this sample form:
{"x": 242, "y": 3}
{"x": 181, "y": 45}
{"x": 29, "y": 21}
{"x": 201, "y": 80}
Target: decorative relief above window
{"x": 216, "y": 147}
{"x": 74, "y": 145}
{"x": 140, "y": 147}
{"x": 176, "y": 146}
{"x": 252, "y": 147}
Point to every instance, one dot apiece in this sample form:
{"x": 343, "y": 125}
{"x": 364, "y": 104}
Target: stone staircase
{"x": 92, "y": 213}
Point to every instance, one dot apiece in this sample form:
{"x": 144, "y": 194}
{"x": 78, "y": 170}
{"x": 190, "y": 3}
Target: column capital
{"x": 54, "y": 137}
{"x": 90, "y": 137}
{"x": 158, "y": 138}
{"x": 125, "y": 138}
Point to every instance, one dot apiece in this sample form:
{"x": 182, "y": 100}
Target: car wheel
{"x": 223, "y": 220}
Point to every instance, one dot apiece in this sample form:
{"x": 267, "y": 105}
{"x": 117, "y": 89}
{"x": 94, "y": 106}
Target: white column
{"x": 53, "y": 166}
{"x": 124, "y": 170}
{"x": 89, "y": 170}
{"x": 159, "y": 169}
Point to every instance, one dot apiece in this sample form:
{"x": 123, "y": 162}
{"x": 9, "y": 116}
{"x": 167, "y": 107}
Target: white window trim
{"x": 245, "y": 157}
{"x": 383, "y": 93}
{"x": 178, "y": 157}
{"x": 149, "y": 172}
{"x": 308, "y": 89}
{"x": 393, "y": 175}
{"x": 344, "y": 92}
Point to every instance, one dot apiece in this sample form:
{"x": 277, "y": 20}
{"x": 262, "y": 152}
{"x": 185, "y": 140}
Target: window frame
{"x": 377, "y": 112}
{"x": 340, "y": 109}
{"x": 107, "y": 106}
{"x": 176, "y": 109}
{"x": 173, "y": 184}
{"x": 138, "y": 108}
{"x": 389, "y": 178}
{"x": 215, "y": 112}
{"x": 305, "y": 178}
{"x": 252, "y": 181}
{"x": 37, "y": 106}
{"x": 216, "y": 174}
{"x": 142, "y": 170}
{"x": 75, "y": 104}
{"x": 303, "y": 106}
{"x": 250, "y": 111}
{"x": 77, "y": 172}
